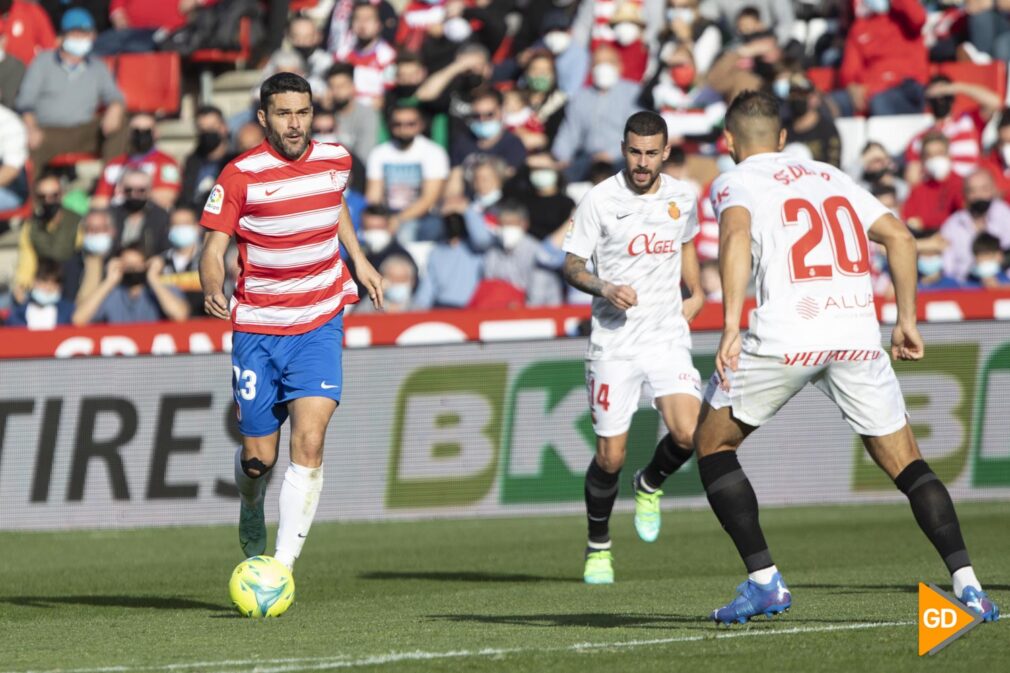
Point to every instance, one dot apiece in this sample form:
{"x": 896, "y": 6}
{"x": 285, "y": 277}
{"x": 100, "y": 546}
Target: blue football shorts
{"x": 270, "y": 370}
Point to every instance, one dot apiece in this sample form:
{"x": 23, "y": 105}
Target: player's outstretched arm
{"x": 734, "y": 272}
{"x": 574, "y": 271}
{"x": 215, "y": 243}
{"x": 363, "y": 269}
{"x": 890, "y": 232}
{"x": 690, "y": 275}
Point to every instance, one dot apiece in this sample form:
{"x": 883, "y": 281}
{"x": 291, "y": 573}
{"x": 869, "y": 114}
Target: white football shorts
{"x": 861, "y": 383}
{"x": 615, "y": 386}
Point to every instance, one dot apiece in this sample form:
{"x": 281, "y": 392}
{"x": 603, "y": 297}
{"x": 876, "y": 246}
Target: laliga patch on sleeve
{"x": 215, "y": 200}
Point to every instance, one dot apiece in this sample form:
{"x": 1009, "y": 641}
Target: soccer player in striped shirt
{"x": 283, "y": 203}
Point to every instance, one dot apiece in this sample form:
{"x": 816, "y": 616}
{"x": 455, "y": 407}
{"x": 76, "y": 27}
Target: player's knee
{"x": 308, "y": 441}
{"x": 683, "y": 438}
{"x": 255, "y": 468}
{"x": 611, "y": 461}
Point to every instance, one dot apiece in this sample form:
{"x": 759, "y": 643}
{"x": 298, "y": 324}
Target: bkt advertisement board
{"x": 455, "y": 430}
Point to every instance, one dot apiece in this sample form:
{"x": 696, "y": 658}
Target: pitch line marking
{"x": 345, "y": 661}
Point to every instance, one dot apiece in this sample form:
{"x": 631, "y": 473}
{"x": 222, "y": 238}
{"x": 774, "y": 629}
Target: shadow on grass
{"x": 879, "y": 588}
{"x": 604, "y": 620}
{"x": 148, "y": 602}
{"x": 462, "y": 576}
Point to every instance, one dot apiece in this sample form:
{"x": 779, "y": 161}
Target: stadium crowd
{"x": 476, "y": 126}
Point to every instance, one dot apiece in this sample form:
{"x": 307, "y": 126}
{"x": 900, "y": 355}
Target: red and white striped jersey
{"x": 965, "y": 135}
{"x": 284, "y": 216}
{"x": 372, "y": 71}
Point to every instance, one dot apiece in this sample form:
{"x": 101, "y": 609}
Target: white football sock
{"x": 964, "y": 577}
{"x": 299, "y": 499}
{"x": 763, "y": 576}
{"x": 599, "y": 546}
{"x": 250, "y": 490}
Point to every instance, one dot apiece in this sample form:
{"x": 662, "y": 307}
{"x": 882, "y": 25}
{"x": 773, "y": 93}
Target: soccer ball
{"x": 262, "y": 586}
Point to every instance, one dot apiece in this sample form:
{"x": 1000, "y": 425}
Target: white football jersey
{"x": 810, "y": 253}
{"x": 635, "y": 239}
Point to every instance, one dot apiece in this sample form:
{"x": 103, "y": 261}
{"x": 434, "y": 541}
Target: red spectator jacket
{"x": 883, "y": 50}
{"x": 153, "y": 14}
{"x": 1000, "y": 171}
{"x": 28, "y": 31}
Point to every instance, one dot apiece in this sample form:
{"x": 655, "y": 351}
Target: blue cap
{"x": 77, "y": 18}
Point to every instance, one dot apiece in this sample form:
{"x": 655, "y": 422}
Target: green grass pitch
{"x": 495, "y": 595}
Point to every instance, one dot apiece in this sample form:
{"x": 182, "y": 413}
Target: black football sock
{"x": 667, "y": 459}
{"x": 601, "y": 492}
{"x": 735, "y": 505}
{"x": 934, "y": 512}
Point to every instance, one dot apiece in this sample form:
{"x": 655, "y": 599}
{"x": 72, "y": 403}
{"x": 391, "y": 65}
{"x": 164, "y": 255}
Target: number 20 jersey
{"x": 810, "y": 253}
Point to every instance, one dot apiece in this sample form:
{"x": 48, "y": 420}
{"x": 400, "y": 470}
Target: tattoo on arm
{"x": 578, "y": 277}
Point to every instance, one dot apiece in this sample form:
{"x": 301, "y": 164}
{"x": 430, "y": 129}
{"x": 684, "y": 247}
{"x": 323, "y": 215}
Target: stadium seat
{"x": 302, "y": 5}
{"x": 895, "y": 132}
{"x": 71, "y": 159}
{"x": 151, "y": 83}
{"x": 210, "y": 57}
{"x": 991, "y": 75}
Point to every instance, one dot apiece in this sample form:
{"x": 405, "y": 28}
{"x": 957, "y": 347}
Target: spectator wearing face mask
{"x": 964, "y": 130}
{"x": 485, "y": 178}
{"x": 940, "y": 193}
{"x": 514, "y": 257}
{"x": 85, "y": 270}
{"x": 985, "y": 212}
{"x": 132, "y": 291}
{"x": 594, "y": 118}
{"x": 686, "y": 27}
{"x": 627, "y": 26}
{"x": 407, "y": 175}
{"x": 777, "y": 13}
{"x": 751, "y": 61}
{"x": 988, "y": 270}
{"x": 355, "y": 126}
{"x": 182, "y": 260}
{"x": 304, "y": 39}
{"x": 454, "y": 267}
{"x": 377, "y": 239}
{"x": 545, "y": 102}
{"x": 540, "y": 189}
{"x": 485, "y": 134}
{"x": 876, "y": 167}
{"x": 202, "y": 166}
{"x": 931, "y": 275}
{"x": 571, "y": 58}
{"x": 369, "y": 54}
{"x": 691, "y": 109}
{"x": 144, "y": 156}
{"x": 50, "y": 232}
{"x": 998, "y": 158}
{"x": 63, "y": 93}
{"x": 810, "y": 121}
{"x": 138, "y": 219}
{"x": 44, "y": 307}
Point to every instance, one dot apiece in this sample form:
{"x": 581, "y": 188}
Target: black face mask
{"x": 470, "y": 81}
{"x": 874, "y": 176}
{"x": 979, "y": 207}
{"x": 305, "y": 52}
{"x": 455, "y": 227}
{"x": 46, "y": 211}
{"x": 764, "y": 70}
{"x": 207, "y": 142}
{"x": 134, "y": 205}
{"x": 940, "y": 107}
{"x": 133, "y": 278}
{"x": 402, "y": 143}
{"x": 798, "y": 107}
{"x": 341, "y": 104}
{"x": 142, "y": 140}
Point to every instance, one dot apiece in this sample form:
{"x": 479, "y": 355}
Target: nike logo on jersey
{"x": 271, "y": 192}
{"x": 326, "y": 386}
{"x": 621, "y": 217}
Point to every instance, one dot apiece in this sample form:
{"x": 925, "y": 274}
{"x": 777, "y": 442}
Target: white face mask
{"x": 1005, "y": 153}
{"x": 78, "y": 46}
{"x": 511, "y": 235}
{"x": 937, "y": 167}
{"x": 987, "y": 269}
{"x": 543, "y": 178}
{"x": 489, "y": 199}
{"x": 97, "y": 244}
{"x": 457, "y": 29}
{"x": 683, "y": 14}
{"x": 183, "y": 235}
{"x": 780, "y": 88}
{"x": 516, "y": 119}
{"x": 605, "y": 75}
{"x": 397, "y": 293}
{"x": 45, "y": 297}
{"x": 557, "y": 41}
{"x": 627, "y": 33}
{"x": 376, "y": 239}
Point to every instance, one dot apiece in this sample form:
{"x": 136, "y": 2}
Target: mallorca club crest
{"x": 673, "y": 210}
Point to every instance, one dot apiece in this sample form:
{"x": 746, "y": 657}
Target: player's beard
{"x": 636, "y": 186}
{"x": 290, "y": 147}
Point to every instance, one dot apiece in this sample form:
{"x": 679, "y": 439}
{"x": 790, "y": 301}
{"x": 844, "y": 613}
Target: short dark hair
{"x": 937, "y": 78}
{"x": 935, "y": 137}
{"x": 205, "y": 110}
{"x": 408, "y": 56}
{"x": 752, "y": 105}
{"x": 376, "y": 209}
{"x": 49, "y": 269}
{"x": 1004, "y": 118}
{"x": 283, "y": 82}
{"x": 748, "y": 11}
{"x": 882, "y": 189}
{"x": 515, "y": 207}
{"x": 985, "y": 242}
{"x": 487, "y": 91}
{"x": 359, "y": 4}
{"x": 646, "y": 123}
{"x": 337, "y": 69}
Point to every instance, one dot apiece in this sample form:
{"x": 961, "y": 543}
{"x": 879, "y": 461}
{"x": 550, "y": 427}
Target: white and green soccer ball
{"x": 262, "y": 586}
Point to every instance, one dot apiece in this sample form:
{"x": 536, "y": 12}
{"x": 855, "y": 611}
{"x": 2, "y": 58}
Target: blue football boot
{"x": 980, "y": 604}
{"x": 755, "y": 599}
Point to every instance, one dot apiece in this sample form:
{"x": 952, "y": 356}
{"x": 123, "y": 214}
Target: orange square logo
{"x": 673, "y": 210}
